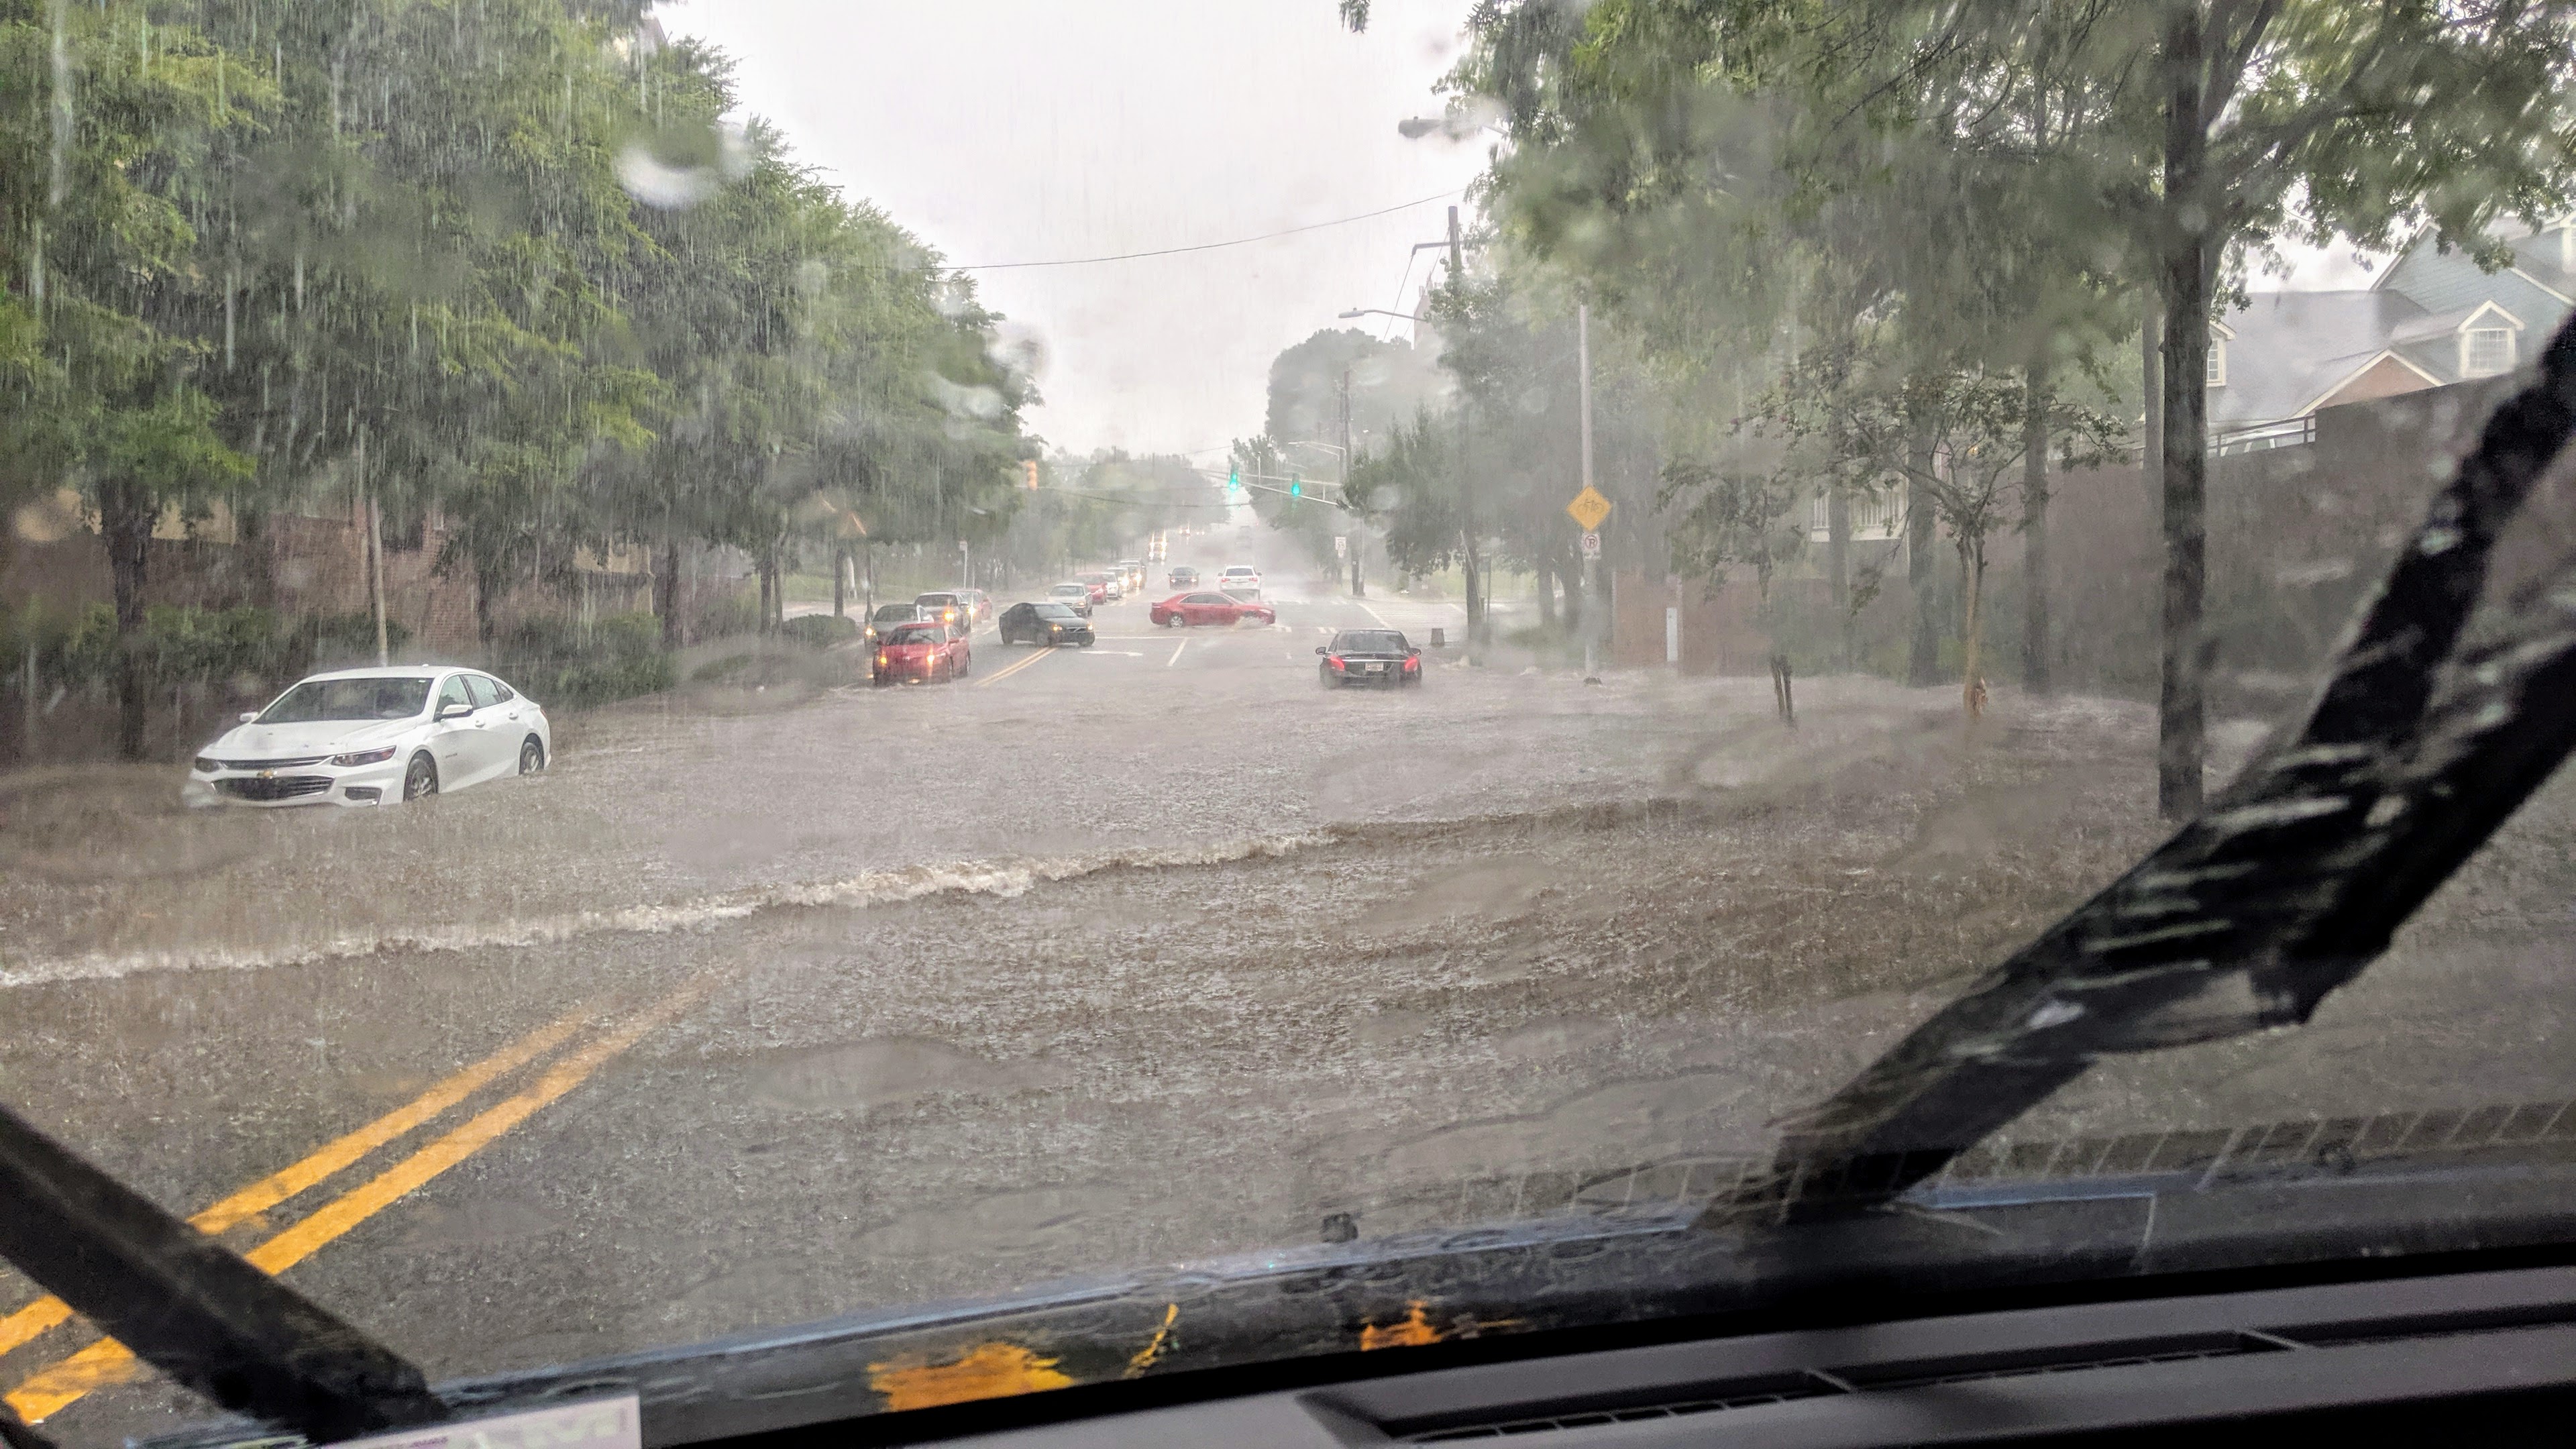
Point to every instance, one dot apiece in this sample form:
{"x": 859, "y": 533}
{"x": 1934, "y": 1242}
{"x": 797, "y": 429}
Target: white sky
{"x": 1018, "y": 130}
{"x": 1030, "y": 130}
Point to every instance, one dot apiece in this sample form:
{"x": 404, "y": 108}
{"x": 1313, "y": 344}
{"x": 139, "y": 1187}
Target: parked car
{"x": 1184, "y": 577}
{"x": 1047, "y": 623}
{"x": 370, "y": 736}
{"x": 1073, "y": 595}
{"x": 926, "y": 652}
{"x": 1369, "y": 656}
{"x": 1209, "y": 608}
{"x": 886, "y": 616}
{"x": 947, "y": 604}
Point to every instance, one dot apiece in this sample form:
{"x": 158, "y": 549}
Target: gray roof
{"x": 2290, "y": 347}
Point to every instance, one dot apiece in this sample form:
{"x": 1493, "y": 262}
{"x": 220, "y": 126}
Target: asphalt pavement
{"x": 754, "y": 1010}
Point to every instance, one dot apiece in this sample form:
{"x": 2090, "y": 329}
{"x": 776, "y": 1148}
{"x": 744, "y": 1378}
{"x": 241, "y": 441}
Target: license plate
{"x": 1377, "y": 669}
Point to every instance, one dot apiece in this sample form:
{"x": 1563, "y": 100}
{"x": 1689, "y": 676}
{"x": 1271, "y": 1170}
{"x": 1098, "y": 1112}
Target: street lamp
{"x": 1378, "y": 312}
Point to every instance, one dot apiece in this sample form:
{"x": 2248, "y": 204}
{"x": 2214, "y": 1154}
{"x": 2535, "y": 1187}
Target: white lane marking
{"x": 1372, "y": 613}
{"x": 1176, "y": 654}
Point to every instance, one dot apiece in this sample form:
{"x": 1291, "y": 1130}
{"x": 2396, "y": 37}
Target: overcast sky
{"x": 1033, "y": 130}
{"x": 1038, "y": 130}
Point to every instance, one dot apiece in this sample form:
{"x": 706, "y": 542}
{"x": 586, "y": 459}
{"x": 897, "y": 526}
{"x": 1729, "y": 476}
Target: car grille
{"x": 272, "y": 764}
{"x": 283, "y": 788}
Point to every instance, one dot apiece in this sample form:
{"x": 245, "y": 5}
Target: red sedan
{"x": 927, "y": 651}
{"x": 1210, "y": 608}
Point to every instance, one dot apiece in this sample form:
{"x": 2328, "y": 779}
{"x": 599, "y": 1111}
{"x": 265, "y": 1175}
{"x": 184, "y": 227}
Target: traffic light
{"x": 1295, "y": 488}
{"x": 1030, "y": 465}
{"x": 1234, "y": 481}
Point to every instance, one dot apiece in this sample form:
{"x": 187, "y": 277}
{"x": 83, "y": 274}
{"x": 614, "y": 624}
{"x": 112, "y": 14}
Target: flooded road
{"x": 1106, "y": 957}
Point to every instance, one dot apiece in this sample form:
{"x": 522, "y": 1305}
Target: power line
{"x": 1213, "y": 246}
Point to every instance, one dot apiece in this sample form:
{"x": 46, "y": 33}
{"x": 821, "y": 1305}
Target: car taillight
{"x": 1335, "y": 661}
{"x": 1413, "y": 662}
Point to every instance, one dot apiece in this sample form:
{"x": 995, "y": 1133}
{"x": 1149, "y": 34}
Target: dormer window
{"x": 2217, "y": 362}
{"x": 2486, "y": 351}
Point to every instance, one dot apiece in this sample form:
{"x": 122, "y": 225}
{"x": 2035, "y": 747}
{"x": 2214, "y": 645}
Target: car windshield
{"x": 318, "y": 700}
{"x": 1830, "y": 620}
{"x": 1370, "y": 641}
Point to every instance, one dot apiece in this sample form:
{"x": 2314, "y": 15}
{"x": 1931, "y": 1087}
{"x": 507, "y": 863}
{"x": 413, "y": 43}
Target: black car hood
{"x": 1623, "y": 1258}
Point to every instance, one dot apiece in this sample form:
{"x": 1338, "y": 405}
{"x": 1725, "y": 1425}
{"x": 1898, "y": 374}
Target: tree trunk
{"x": 483, "y": 608}
{"x": 666, "y": 594}
{"x": 376, "y": 564}
{"x": 2034, "y": 527}
{"x": 2185, "y": 283}
{"x": 1923, "y": 648}
{"x": 1475, "y": 599}
{"x": 125, "y": 526}
{"x": 1838, "y": 571}
{"x": 840, "y": 582}
{"x": 1972, "y": 629}
{"x": 768, "y": 588}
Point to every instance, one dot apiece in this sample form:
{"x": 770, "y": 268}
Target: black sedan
{"x": 1048, "y": 623}
{"x": 1369, "y": 656}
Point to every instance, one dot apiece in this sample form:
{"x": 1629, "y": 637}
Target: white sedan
{"x": 370, "y": 736}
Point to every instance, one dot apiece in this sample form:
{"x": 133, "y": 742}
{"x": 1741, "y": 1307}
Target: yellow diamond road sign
{"x": 1589, "y": 508}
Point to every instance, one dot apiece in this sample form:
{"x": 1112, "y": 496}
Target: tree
{"x": 2220, "y": 127}
{"x": 99, "y": 186}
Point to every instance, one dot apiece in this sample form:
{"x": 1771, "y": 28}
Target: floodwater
{"x": 1098, "y": 959}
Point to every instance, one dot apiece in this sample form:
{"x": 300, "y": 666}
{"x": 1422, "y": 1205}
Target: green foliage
{"x": 500, "y": 260}
{"x": 821, "y": 631}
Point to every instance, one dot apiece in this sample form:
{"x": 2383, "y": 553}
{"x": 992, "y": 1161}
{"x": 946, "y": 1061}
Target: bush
{"x": 729, "y": 616}
{"x": 821, "y": 631}
{"x": 566, "y": 664}
{"x": 582, "y": 683}
{"x": 341, "y": 641}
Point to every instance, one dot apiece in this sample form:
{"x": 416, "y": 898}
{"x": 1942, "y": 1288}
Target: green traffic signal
{"x": 1234, "y": 481}
{"x": 1295, "y": 488}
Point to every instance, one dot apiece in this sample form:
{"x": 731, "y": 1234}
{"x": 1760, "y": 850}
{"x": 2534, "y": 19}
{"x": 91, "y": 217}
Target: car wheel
{"x": 1178, "y": 621}
{"x": 532, "y": 756}
{"x": 421, "y": 779}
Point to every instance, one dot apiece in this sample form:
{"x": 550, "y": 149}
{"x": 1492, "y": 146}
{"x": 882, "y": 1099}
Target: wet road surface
{"x": 753, "y": 1011}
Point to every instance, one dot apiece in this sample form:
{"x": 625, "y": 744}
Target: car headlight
{"x": 205, "y": 766}
{"x": 365, "y": 757}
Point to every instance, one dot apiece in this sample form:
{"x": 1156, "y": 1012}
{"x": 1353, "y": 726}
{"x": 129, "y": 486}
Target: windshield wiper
{"x": 191, "y": 1307}
{"x": 2426, "y": 736}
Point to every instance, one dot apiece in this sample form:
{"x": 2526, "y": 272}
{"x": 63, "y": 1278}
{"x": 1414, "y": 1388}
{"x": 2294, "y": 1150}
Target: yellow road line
{"x": 286, "y": 1182}
{"x": 1007, "y": 670}
{"x": 110, "y": 1362}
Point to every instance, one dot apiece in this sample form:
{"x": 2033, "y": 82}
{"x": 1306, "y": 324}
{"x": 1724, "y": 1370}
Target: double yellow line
{"x": 105, "y": 1361}
{"x": 1016, "y": 665}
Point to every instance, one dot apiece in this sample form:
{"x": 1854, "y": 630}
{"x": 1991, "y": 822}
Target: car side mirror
{"x": 454, "y": 711}
{"x": 1323, "y": 649}
{"x": 248, "y": 715}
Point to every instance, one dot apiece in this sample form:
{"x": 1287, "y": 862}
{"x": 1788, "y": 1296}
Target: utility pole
{"x": 1591, "y": 566}
{"x": 1358, "y": 589}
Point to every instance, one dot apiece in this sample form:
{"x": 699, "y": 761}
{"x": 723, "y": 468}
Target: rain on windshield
{"x": 1839, "y": 538}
